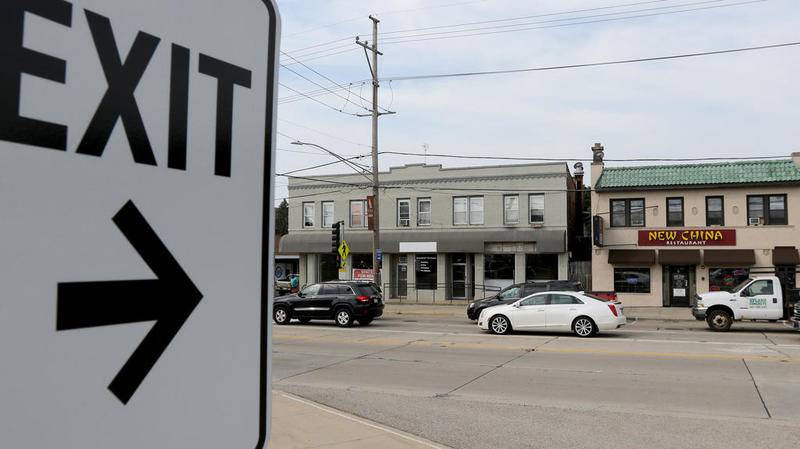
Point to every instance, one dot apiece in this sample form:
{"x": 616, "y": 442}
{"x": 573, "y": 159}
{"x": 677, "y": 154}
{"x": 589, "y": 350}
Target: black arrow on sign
{"x": 167, "y": 300}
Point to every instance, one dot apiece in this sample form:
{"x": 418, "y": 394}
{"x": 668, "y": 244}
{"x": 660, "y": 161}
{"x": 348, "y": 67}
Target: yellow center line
{"x": 550, "y": 349}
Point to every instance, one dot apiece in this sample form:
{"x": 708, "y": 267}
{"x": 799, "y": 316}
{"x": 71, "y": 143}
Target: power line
{"x": 337, "y": 84}
{"x": 353, "y": 19}
{"x": 325, "y": 134}
{"x": 447, "y": 34}
{"x": 583, "y": 159}
{"x": 591, "y": 64}
{"x": 347, "y": 100}
{"x": 325, "y": 164}
{"x": 318, "y": 101}
{"x": 533, "y": 16}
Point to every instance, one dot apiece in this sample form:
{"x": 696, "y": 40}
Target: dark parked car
{"x": 517, "y": 291}
{"x": 341, "y": 301}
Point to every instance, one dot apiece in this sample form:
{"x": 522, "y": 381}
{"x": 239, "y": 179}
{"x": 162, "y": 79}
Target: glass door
{"x": 401, "y": 285}
{"x": 459, "y": 277}
{"x": 679, "y": 286}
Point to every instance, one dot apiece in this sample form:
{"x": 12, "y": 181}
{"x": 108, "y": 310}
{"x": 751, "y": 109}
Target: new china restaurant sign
{"x": 688, "y": 237}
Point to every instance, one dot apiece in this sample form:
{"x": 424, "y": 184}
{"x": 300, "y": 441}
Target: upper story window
{"x": 769, "y": 209}
{"x": 674, "y": 211}
{"x": 358, "y": 213}
{"x": 308, "y": 215}
{"x": 511, "y": 209}
{"x": 536, "y": 207}
{"x": 404, "y": 213}
{"x": 468, "y": 210}
{"x": 327, "y": 214}
{"x": 627, "y": 213}
{"x": 424, "y": 212}
{"x": 715, "y": 211}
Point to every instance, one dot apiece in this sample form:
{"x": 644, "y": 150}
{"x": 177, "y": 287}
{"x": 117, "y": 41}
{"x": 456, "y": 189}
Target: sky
{"x": 742, "y": 104}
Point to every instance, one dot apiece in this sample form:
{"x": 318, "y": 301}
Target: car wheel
{"x": 584, "y": 327}
{"x": 499, "y": 325}
{"x": 304, "y": 320}
{"x": 719, "y": 320}
{"x": 281, "y": 315}
{"x": 344, "y": 318}
{"x": 364, "y": 321}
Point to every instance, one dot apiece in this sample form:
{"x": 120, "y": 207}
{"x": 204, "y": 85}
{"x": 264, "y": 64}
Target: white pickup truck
{"x": 757, "y": 298}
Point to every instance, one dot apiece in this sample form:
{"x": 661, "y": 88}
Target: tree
{"x": 282, "y": 218}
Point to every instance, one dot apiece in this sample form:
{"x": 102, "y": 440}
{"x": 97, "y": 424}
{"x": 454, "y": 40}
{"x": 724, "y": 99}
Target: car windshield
{"x": 741, "y": 285}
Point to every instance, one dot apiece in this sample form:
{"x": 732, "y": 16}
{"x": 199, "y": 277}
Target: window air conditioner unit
{"x": 754, "y": 221}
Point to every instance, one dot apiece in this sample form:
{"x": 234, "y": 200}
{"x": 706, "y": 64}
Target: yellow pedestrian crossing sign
{"x": 344, "y": 251}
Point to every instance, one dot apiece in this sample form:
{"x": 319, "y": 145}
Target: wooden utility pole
{"x": 373, "y": 66}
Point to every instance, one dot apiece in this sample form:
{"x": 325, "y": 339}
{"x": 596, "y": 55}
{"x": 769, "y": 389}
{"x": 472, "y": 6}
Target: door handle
{"x": 540, "y": 310}
{"x": 573, "y": 309}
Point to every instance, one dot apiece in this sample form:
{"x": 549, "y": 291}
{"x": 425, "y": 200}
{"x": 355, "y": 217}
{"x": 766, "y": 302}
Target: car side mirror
{"x": 517, "y": 305}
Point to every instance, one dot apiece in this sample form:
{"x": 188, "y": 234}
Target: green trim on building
{"x": 783, "y": 171}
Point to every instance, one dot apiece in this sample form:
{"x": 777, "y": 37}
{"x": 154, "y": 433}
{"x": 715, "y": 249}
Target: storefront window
{"x": 328, "y": 269}
{"x": 632, "y": 280}
{"x": 726, "y": 279}
{"x": 498, "y": 270}
{"x": 361, "y": 261}
{"x": 425, "y": 267}
{"x": 541, "y": 267}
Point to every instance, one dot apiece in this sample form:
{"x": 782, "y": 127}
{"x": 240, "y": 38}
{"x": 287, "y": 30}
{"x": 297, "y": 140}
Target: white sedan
{"x": 583, "y": 314}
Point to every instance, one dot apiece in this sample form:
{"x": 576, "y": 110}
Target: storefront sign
{"x": 363, "y": 274}
{"x": 370, "y": 212}
{"x": 688, "y": 237}
{"x": 426, "y": 264}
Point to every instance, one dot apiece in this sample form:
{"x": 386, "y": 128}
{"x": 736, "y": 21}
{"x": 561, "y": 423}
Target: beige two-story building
{"x": 663, "y": 233}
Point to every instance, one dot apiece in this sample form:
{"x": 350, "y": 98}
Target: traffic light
{"x": 336, "y": 237}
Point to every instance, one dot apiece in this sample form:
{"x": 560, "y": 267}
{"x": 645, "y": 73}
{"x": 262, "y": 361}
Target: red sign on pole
{"x": 370, "y": 212}
{"x": 688, "y": 237}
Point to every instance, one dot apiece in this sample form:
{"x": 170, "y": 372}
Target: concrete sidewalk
{"x": 301, "y": 424}
{"x": 459, "y": 310}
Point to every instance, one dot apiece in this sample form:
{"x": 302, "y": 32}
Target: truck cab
{"x": 757, "y": 298}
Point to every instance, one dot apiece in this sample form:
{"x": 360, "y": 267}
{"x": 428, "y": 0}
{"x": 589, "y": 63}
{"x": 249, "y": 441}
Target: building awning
{"x": 451, "y": 241}
{"x": 645, "y": 257}
{"x": 679, "y": 257}
{"x": 785, "y": 255}
{"x": 729, "y": 257}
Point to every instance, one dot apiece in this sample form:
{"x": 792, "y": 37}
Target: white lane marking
{"x": 360, "y": 421}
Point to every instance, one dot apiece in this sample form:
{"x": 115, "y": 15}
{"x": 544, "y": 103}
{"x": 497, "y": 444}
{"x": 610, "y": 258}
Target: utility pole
{"x": 373, "y": 66}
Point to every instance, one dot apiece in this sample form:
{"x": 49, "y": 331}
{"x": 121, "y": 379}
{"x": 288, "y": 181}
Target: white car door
{"x": 531, "y": 312}
{"x": 761, "y": 301}
{"x": 561, "y": 310}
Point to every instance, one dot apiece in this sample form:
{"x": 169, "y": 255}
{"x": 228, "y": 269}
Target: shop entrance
{"x": 678, "y": 285}
{"x": 459, "y": 276}
{"x": 401, "y": 276}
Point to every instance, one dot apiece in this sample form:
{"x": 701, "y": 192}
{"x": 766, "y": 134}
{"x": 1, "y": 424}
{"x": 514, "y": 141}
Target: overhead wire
{"x": 532, "y": 16}
{"x": 322, "y": 75}
{"x": 585, "y": 22}
{"x": 499, "y": 29}
{"x": 592, "y": 64}
{"x": 318, "y": 101}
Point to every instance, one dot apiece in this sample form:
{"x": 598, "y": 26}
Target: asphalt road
{"x": 650, "y": 385}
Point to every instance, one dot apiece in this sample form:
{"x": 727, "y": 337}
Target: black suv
{"x": 342, "y": 301}
{"x": 517, "y": 291}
